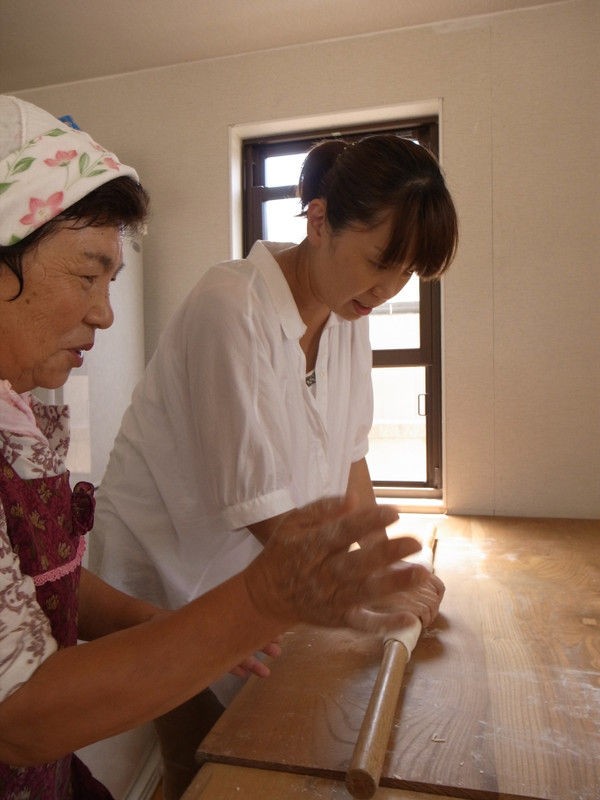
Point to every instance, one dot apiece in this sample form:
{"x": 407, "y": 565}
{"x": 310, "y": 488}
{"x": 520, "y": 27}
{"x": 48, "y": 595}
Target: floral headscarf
{"x": 45, "y": 167}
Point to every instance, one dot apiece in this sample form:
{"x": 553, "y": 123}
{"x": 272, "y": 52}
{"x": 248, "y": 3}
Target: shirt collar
{"x": 262, "y": 257}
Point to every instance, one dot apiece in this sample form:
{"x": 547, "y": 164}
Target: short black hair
{"x": 385, "y": 174}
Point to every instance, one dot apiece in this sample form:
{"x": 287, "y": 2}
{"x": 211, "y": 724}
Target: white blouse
{"x": 223, "y": 432}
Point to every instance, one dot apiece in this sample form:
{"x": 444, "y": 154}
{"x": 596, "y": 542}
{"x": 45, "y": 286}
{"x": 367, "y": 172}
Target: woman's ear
{"x": 9, "y": 283}
{"x": 316, "y": 218}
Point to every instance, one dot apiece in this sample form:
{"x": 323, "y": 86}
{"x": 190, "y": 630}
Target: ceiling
{"x": 44, "y": 42}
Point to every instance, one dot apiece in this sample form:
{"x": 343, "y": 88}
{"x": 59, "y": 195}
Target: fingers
{"x": 339, "y": 521}
{"x": 307, "y": 573}
{"x": 399, "y": 579}
{"x": 272, "y": 649}
{"x": 374, "y": 590}
{"x": 251, "y": 666}
{"x": 392, "y": 587}
{"x": 423, "y": 601}
{"x": 239, "y": 671}
{"x": 389, "y": 550}
{"x": 362, "y": 524}
{"x": 437, "y": 585}
{"x": 379, "y": 569}
{"x": 370, "y": 621}
{"x": 320, "y": 513}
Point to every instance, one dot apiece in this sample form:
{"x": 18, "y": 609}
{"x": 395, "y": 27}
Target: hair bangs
{"x": 424, "y": 233}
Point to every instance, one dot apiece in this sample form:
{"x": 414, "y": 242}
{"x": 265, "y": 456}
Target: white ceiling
{"x": 44, "y": 42}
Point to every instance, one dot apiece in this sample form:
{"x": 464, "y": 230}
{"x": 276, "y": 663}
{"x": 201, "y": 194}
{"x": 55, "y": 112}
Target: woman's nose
{"x": 378, "y": 293}
{"x": 386, "y": 289}
{"x": 389, "y": 285}
{"x": 100, "y": 314}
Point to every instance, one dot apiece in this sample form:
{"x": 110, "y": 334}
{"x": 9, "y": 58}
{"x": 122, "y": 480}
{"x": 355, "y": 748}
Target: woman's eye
{"x": 89, "y": 280}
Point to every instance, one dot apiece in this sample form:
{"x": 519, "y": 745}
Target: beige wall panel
{"x": 546, "y": 269}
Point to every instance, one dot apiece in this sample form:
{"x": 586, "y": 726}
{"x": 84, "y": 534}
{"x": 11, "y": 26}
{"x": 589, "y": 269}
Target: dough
{"x": 409, "y": 636}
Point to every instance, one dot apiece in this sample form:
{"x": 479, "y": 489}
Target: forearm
{"x": 262, "y": 530}
{"x": 104, "y": 609}
{"x": 85, "y": 693}
{"x": 361, "y": 486}
{"x": 306, "y": 573}
{"x": 359, "y": 482}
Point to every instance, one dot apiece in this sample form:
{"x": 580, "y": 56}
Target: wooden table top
{"x": 501, "y": 698}
{"x": 225, "y": 782}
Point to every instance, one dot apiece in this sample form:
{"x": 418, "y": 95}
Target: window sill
{"x": 412, "y": 505}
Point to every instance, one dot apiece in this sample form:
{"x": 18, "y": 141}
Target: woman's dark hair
{"x": 385, "y": 174}
{"x": 121, "y": 202}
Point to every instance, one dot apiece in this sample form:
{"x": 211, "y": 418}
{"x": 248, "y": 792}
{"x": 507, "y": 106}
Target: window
{"x": 406, "y": 440}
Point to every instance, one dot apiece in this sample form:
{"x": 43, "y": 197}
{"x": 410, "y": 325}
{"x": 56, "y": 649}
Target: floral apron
{"x": 46, "y": 523}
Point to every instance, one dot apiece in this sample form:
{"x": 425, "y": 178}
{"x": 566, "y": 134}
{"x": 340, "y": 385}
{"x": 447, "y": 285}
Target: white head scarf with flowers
{"x": 45, "y": 167}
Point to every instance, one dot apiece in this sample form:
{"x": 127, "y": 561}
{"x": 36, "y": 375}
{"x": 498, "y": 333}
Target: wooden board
{"x": 224, "y": 782}
{"x": 500, "y": 699}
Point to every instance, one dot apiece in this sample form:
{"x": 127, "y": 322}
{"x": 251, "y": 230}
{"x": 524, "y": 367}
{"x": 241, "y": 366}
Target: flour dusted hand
{"x": 423, "y": 601}
{"x": 253, "y": 665}
{"x": 307, "y": 573}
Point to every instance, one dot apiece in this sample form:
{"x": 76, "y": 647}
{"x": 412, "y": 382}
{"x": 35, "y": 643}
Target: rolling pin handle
{"x": 364, "y": 772}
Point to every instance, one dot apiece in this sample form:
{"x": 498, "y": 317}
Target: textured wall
{"x": 518, "y": 98}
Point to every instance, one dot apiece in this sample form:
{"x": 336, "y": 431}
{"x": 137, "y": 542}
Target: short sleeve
{"x": 25, "y": 636}
{"x": 239, "y": 421}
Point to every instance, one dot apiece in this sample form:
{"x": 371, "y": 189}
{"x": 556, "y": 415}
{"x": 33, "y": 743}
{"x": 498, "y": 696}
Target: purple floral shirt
{"x": 34, "y": 439}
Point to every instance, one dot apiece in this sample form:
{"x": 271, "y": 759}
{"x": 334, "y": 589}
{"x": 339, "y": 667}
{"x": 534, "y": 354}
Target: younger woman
{"x": 258, "y": 398}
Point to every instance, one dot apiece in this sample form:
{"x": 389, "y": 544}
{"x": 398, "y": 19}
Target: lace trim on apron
{"x": 64, "y": 569}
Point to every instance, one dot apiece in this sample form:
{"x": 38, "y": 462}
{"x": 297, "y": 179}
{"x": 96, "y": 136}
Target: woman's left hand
{"x": 253, "y": 665}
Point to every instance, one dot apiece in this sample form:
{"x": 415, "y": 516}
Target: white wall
{"x": 519, "y": 100}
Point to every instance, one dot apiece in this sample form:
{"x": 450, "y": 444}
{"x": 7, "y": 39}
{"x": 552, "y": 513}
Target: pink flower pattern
{"x": 111, "y": 163}
{"x": 41, "y": 211}
{"x": 80, "y": 162}
{"x": 61, "y": 159}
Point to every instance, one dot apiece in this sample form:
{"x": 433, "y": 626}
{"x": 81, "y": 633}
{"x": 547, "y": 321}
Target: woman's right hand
{"x": 423, "y": 601}
{"x": 307, "y": 573}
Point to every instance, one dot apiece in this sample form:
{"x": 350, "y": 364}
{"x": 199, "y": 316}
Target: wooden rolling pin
{"x": 364, "y": 772}
{"x": 362, "y": 777}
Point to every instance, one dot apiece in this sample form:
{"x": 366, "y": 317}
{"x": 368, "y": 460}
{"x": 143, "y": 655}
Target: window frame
{"x": 255, "y": 150}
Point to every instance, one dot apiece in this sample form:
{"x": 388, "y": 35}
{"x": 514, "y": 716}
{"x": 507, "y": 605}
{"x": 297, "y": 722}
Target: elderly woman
{"x": 65, "y": 203}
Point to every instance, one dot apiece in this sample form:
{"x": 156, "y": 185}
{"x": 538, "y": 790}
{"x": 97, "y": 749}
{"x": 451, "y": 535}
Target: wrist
{"x": 263, "y": 598}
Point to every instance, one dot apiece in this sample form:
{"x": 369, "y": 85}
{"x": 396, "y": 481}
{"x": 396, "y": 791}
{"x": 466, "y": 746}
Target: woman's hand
{"x": 423, "y": 601}
{"x": 306, "y": 573}
{"x": 254, "y": 665}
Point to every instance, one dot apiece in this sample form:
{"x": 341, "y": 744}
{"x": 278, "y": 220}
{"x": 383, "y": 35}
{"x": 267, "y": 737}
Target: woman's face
{"x": 46, "y": 329}
{"x": 347, "y": 275}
